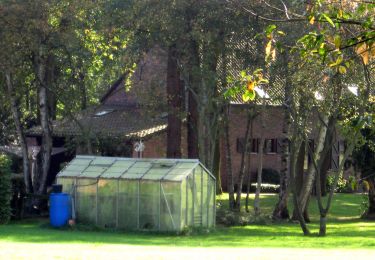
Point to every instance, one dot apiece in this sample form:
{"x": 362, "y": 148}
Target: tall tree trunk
{"x": 325, "y": 161}
{"x": 174, "y": 95}
{"x": 216, "y": 166}
{"x": 245, "y": 152}
{"x": 51, "y": 96}
{"x": 20, "y": 132}
{"x": 193, "y": 114}
{"x": 310, "y": 176}
{"x": 45, "y": 81}
{"x": 46, "y": 147}
{"x": 295, "y": 152}
{"x": 260, "y": 161}
{"x": 299, "y": 179}
{"x": 228, "y": 158}
{"x": 248, "y": 185}
{"x": 281, "y": 208}
{"x": 82, "y": 90}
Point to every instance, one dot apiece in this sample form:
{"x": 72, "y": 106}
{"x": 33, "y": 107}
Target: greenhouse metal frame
{"x": 140, "y": 194}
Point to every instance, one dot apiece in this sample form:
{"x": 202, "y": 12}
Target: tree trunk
{"x": 299, "y": 179}
{"x": 216, "y": 166}
{"x": 281, "y": 208}
{"x": 228, "y": 158}
{"x": 174, "y": 95}
{"x": 248, "y": 136}
{"x": 193, "y": 115}
{"x": 82, "y": 90}
{"x": 21, "y": 135}
{"x": 249, "y": 179}
{"x": 295, "y": 151}
{"x": 260, "y": 161}
{"x": 325, "y": 161}
{"x": 46, "y": 147}
{"x": 45, "y": 81}
{"x": 51, "y": 96}
{"x": 310, "y": 176}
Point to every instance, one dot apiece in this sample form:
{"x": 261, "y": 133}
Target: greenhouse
{"x": 140, "y": 194}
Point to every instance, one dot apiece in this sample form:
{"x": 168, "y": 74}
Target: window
{"x": 270, "y": 145}
{"x": 254, "y": 145}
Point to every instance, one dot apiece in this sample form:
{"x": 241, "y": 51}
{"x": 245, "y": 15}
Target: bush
{"x": 5, "y": 189}
{"x": 365, "y": 186}
{"x": 270, "y": 176}
{"x": 343, "y": 185}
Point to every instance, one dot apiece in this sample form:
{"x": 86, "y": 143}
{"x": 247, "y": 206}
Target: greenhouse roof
{"x": 130, "y": 168}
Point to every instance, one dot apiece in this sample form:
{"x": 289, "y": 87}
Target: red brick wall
{"x": 148, "y": 82}
{"x": 156, "y": 146}
{"x": 237, "y": 129}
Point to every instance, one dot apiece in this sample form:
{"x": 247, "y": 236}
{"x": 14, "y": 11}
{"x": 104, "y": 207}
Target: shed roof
{"x": 84, "y": 166}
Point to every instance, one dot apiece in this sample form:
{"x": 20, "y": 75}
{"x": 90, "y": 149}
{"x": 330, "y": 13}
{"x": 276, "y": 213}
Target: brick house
{"x": 127, "y": 116}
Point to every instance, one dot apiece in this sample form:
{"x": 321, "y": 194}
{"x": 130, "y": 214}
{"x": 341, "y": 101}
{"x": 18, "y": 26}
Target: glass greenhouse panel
{"x": 183, "y": 204}
{"x": 103, "y": 161}
{"x": 211, "y": 202}
{"x": 86, "y": 200}
{"x": 107, "y": 203}
{"x": 149, "y": 203}
{"x": 197, "y": 197}
{"x": 128, "y": 204}
{"x": 204, "y": 203}
{"x": 170, "y": 206}
{"x": 67, "y": 184}
{"x": 190, "y": 201}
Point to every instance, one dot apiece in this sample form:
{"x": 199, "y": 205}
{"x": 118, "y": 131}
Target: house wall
{"x": 237, "y": 129}
{"x": 156, "y": 146}
{"x": 147, "y": 84}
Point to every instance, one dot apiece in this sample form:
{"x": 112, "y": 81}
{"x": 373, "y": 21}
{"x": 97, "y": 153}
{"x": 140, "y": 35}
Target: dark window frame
{"x": 254, "y": 145}
{"x": 270, "y": 146}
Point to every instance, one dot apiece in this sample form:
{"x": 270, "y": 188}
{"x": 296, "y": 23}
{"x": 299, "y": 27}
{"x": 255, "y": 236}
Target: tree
{"x": 330, "y": 46}
{"x": 59, "y": 43}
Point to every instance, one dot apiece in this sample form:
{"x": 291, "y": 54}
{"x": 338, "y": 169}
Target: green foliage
{"x": 343, "y": 185}
{"x": 245, "y": 85}
{"x": 270, "y": 176}
{"x": 5, "y": 189}
{"x": 364, "y": 154}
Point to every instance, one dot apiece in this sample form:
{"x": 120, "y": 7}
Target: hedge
{"x": 5, "y": 189}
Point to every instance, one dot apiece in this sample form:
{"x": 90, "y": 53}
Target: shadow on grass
{"x": 281, "y": 235}
{"x": 345, "y": 230}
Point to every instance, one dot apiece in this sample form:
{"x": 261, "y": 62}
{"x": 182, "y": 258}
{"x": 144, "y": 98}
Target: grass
{"x": 345, "y": 230}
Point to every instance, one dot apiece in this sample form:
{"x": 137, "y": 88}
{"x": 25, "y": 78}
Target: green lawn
{"x": 345, "y": 230}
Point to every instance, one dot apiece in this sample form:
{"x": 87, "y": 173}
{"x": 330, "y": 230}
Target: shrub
{"x": 365, "y": 186}
{"x": 343, "y": 185}
{"x": 270, "y": 176}
{"x": 5, "y": 189}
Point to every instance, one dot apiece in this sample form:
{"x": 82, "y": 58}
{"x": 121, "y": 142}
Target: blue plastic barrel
{"x": 59, "y": 209}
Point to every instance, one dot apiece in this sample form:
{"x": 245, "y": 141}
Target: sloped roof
{"x": 130, "y": 168}
{"x": 107, "y": 121}
{"x": 17, "y": 151}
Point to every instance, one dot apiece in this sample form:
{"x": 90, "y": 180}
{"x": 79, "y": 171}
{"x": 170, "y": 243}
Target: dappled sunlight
{"x": 344, "y": 230}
